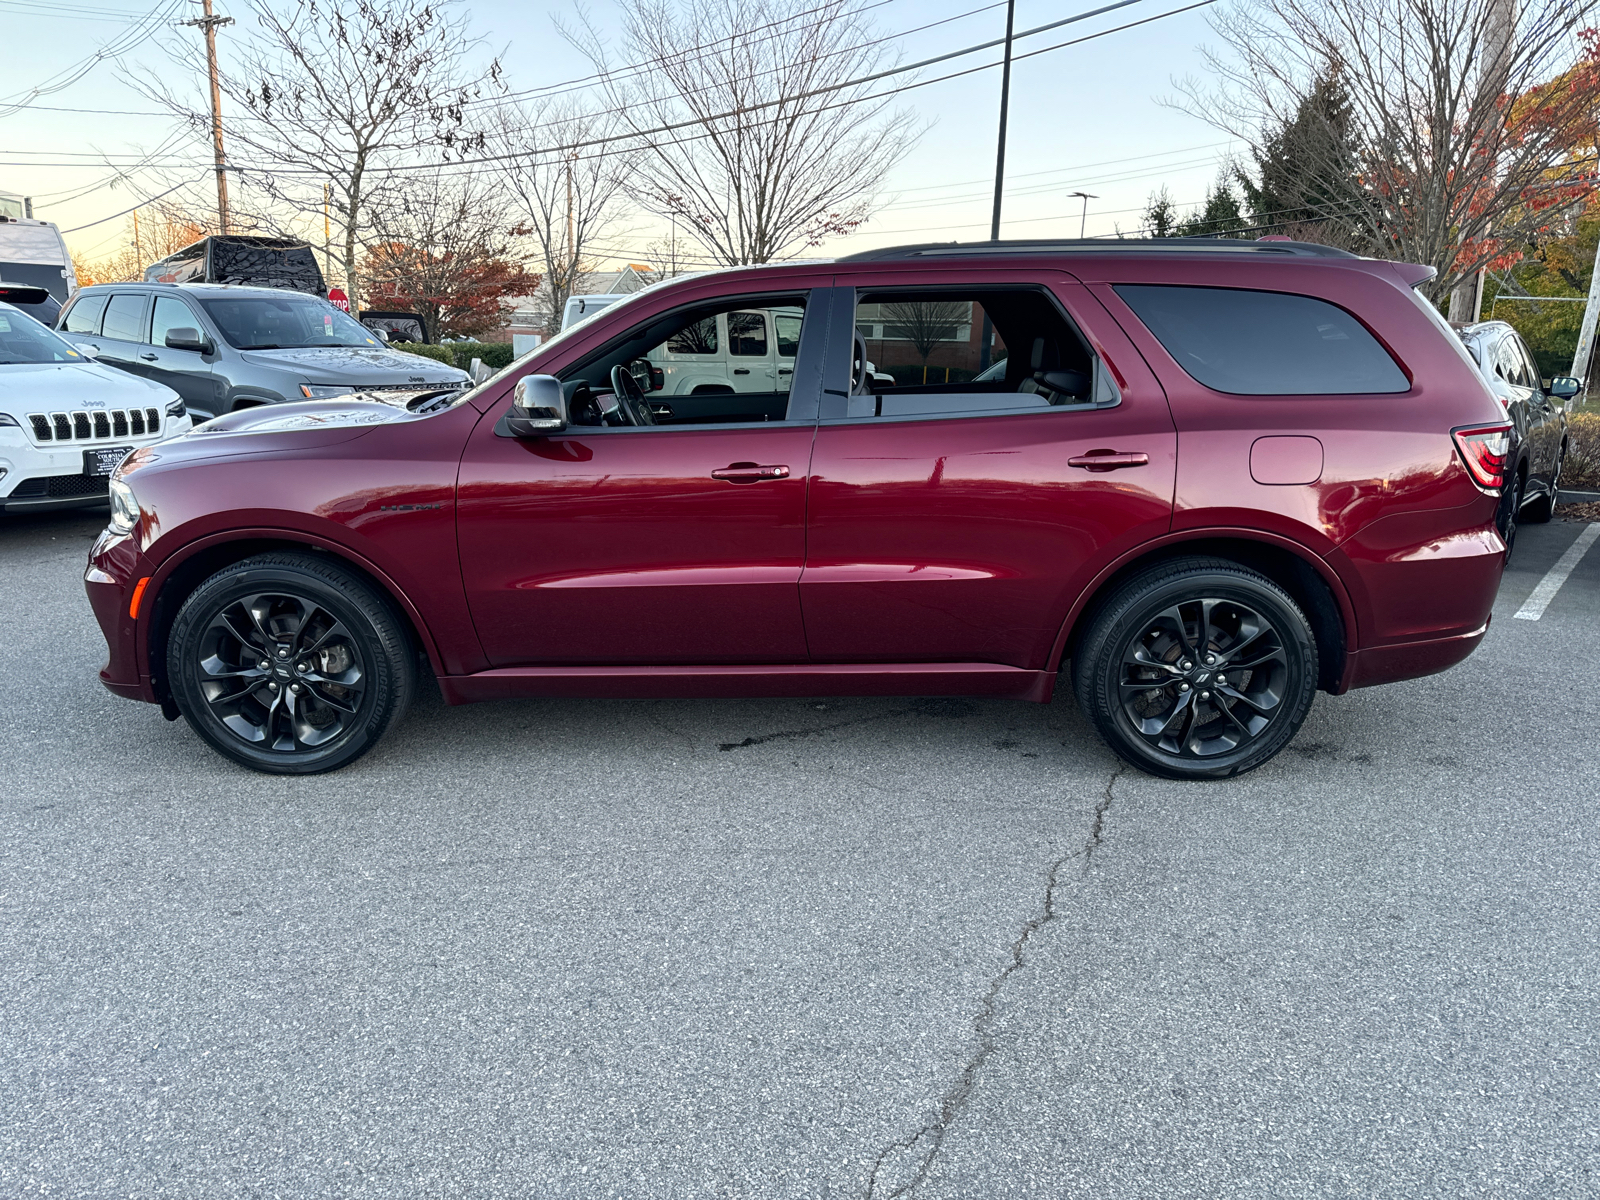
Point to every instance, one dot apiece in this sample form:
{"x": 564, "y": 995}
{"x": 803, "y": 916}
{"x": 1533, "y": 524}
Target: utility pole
{"x": 1500, "y": 24}
{"x": 138, "y": 258}
{"x": 986, "y": 339}
{"x": 327, "y": 229}
{"x": 1083, "y": 221}
{"x": 209, "y": 24}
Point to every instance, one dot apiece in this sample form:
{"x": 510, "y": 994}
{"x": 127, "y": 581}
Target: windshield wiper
{"x": 263, "y": 346}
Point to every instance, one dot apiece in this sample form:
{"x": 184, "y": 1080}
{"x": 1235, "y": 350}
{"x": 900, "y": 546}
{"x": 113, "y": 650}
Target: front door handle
{"x": 1107, "y": 460}
{"x": 749, "y": 472}
{"x": 148, "y": 357}
{"x": 741, "y": 370}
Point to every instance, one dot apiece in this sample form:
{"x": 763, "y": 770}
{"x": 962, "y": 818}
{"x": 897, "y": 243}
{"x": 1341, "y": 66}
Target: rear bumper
{"x": 1410, "y": 660}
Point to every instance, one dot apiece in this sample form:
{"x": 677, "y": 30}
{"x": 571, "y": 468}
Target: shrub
{"x": 460, "y": 354}
{"x": 1583, "y": 450}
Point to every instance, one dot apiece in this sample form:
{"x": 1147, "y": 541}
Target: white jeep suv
{"x": 66, "y": 422}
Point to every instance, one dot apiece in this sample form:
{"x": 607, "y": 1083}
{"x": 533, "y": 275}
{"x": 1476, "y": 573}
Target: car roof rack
{"x": 1187, "y": 245}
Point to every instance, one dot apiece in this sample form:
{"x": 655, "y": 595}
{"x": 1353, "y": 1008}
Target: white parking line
{"x": 1533, "y": 607}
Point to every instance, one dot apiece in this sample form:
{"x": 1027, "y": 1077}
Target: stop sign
{"x": 337, "y": 297}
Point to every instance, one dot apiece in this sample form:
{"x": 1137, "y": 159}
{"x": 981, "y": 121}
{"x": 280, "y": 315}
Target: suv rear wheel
{"x": 1197, "y": 669}
{"x": 289, "y": 664}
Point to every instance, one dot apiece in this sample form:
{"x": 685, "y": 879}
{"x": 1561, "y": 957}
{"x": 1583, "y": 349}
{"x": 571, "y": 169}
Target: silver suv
{"x": 223, "y": 347}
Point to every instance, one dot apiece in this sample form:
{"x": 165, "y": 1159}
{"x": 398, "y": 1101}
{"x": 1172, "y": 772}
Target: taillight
{"x": 1483, "y": 450}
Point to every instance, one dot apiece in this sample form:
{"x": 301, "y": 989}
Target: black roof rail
{"x": 1185, "y": 245}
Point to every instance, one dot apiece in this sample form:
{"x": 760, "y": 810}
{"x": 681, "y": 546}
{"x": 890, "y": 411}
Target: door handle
{"x": 661, "y": 410}
{"x": 148, "y": 357}
{"x": 746, "y": 472}
{"x": 741, "y": 370}
{"x": 1107, "y": 460}
{"x": 785, "y": 370}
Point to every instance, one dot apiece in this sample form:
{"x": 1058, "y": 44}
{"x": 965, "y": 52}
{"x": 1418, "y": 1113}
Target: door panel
{"x": 965, "y": 539}
{"x": 184, "y": 371}
{"x": 618, "y": 546}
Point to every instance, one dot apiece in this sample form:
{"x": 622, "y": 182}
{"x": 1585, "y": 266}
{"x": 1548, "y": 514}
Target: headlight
{"x": 176, "y": 408}
{"x": 124, "y": 508}
{"x": 324, "y": 391}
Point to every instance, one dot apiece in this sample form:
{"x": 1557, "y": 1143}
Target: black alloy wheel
{"x": 289, "y": 664}
{"x": 1197, "y": 669}
{"x": 1510, "y": 512}
{"x": 1540, "y": 511}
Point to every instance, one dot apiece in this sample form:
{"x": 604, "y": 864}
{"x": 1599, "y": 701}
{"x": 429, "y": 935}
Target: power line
{"x": 141, "y": 204}
{"x": 65, "y": 78}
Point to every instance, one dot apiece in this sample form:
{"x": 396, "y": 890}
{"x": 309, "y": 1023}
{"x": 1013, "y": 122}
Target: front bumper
{"x": 38, "y": 477}
{"x": 115, "y": 567}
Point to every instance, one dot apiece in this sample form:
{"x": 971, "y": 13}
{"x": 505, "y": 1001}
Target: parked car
{"x": 581, "y": 308}
{"x": 37, "y": 302}
{"x": 1204, "y": 487}
{"x": 243, "y": 259}
{"x": 223, "y": 347}
{"x": 33, "y": 253}
{"x": 65, "y": 422}
{"x": 394, "y": 326}
{"x": 1538, "y": 423}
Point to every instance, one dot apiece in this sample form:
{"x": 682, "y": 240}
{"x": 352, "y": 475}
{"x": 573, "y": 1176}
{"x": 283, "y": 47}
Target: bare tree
{"x": 341, "y": 94}
{"x": 565, "y": 201}
{"x": 444, "y": 248}
{"x": 926, "y": 323}
{"x": 766, "y": 154}
{"x": 1457, "y": 129}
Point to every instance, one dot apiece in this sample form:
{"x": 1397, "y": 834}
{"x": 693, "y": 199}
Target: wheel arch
{"x": 1310, "y": 581}
{"x": 181, "y": 573}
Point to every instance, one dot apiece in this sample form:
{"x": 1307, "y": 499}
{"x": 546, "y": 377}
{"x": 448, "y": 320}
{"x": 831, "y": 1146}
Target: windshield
{"x": 24, "y": 340}
{"x": 281, "y": 323}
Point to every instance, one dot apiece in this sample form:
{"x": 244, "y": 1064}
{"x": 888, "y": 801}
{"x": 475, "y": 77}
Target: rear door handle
{"x": 1107, "y": 460}
{"x": 741, "y": 370}
{"x": 148, "y": 357}
{"x": 746, "y": 472}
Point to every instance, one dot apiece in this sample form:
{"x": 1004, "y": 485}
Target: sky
{"x": 1088, "y": 118}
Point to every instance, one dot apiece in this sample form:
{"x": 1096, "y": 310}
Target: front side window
{"x": 84, "y": 316}
{"x": 286, "y": 322}
{"x": 690, "y": 375}
{"x": 1250, "y": 343}
{"x": 951, "y": 352}
{"x": 124, "y": 318}
{"x": 170, "y": 314}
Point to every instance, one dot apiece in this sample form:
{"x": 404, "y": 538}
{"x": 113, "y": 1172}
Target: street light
{"x": 1083, "y": 223}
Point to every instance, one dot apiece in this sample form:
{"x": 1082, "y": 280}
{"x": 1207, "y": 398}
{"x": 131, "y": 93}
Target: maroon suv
{"x": 1212, "y": 477}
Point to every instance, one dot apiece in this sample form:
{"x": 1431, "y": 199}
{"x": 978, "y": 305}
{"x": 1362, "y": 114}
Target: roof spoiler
{"x": 22, "y": 293}
{"x": 1415, "y": 274}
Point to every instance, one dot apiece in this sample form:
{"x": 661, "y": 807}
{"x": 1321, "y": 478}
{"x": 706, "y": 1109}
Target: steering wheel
{"x": 630, "y": 397}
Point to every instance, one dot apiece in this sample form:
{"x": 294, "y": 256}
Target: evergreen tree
{"x": 1305, "y": 171}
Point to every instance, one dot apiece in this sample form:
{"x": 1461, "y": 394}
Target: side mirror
{"x": 538, "y": 407}
{"x": 185, "y": 338}
{"x": 88, "y": 351}
{"x": 382, "y": 335}
{"x": 651, "y": 377}
{"x": 1565, "y": 387}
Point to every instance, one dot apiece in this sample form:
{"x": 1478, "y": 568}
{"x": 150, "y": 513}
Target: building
{"x": 14, "y": 207}
{"x": 532, "y": 316}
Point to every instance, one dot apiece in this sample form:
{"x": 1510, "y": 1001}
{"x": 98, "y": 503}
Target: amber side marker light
{"x": 1483, "y": 450}
{"x": 138, "y": 595}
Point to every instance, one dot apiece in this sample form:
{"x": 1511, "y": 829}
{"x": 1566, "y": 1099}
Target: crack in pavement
{"x": 927, "y": 708}
{"x": 930, "y": 1138}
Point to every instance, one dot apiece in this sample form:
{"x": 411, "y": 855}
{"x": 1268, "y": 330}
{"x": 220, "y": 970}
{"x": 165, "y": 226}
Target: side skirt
{"x": 837, "y": 679}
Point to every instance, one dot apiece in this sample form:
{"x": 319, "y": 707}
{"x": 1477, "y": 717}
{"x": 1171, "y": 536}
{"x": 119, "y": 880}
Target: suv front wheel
{"x": 1197, "y": 669}
{"x": 289, "y": 664}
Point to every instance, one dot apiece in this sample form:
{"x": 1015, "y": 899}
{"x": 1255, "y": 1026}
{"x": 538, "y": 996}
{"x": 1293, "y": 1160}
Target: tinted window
{"x": 787, "y": 329}
{"x": 278, "y": 322}
{"x": 1265, "y": 343}
{"x": 84, "y": 316}
{"x": 747, "y": 334}
{"x": 124, "y": 318}
{"x": 698, "y": 338}
{"x": 170, "y": 314}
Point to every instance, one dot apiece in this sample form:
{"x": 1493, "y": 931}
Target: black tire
{"x": 347, "y": 676}
{"x": 1511, "y": 512}
{"x": 1183, "y": 726}
{"x": 1540, "y": 510}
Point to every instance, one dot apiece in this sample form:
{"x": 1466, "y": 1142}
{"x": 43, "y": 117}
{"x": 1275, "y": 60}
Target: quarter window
{"x": 747, "y": 334}
{"x": 1252, "y": 343}
{"x": 84, "y": 316}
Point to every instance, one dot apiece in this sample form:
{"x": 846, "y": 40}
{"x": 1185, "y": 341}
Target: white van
{"x": 33, "y": 253}
{"x": 581, "y": 308}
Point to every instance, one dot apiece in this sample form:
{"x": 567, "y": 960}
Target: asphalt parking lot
{"x": 864, "y": 948}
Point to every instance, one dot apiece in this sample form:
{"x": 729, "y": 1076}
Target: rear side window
{"x": 125, "y": 318}
{"x": 84, "y": 316}
{"x": 1265, "y": 343}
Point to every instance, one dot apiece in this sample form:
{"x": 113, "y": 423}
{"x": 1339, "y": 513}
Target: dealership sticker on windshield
{"x": 103, "y": 460}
